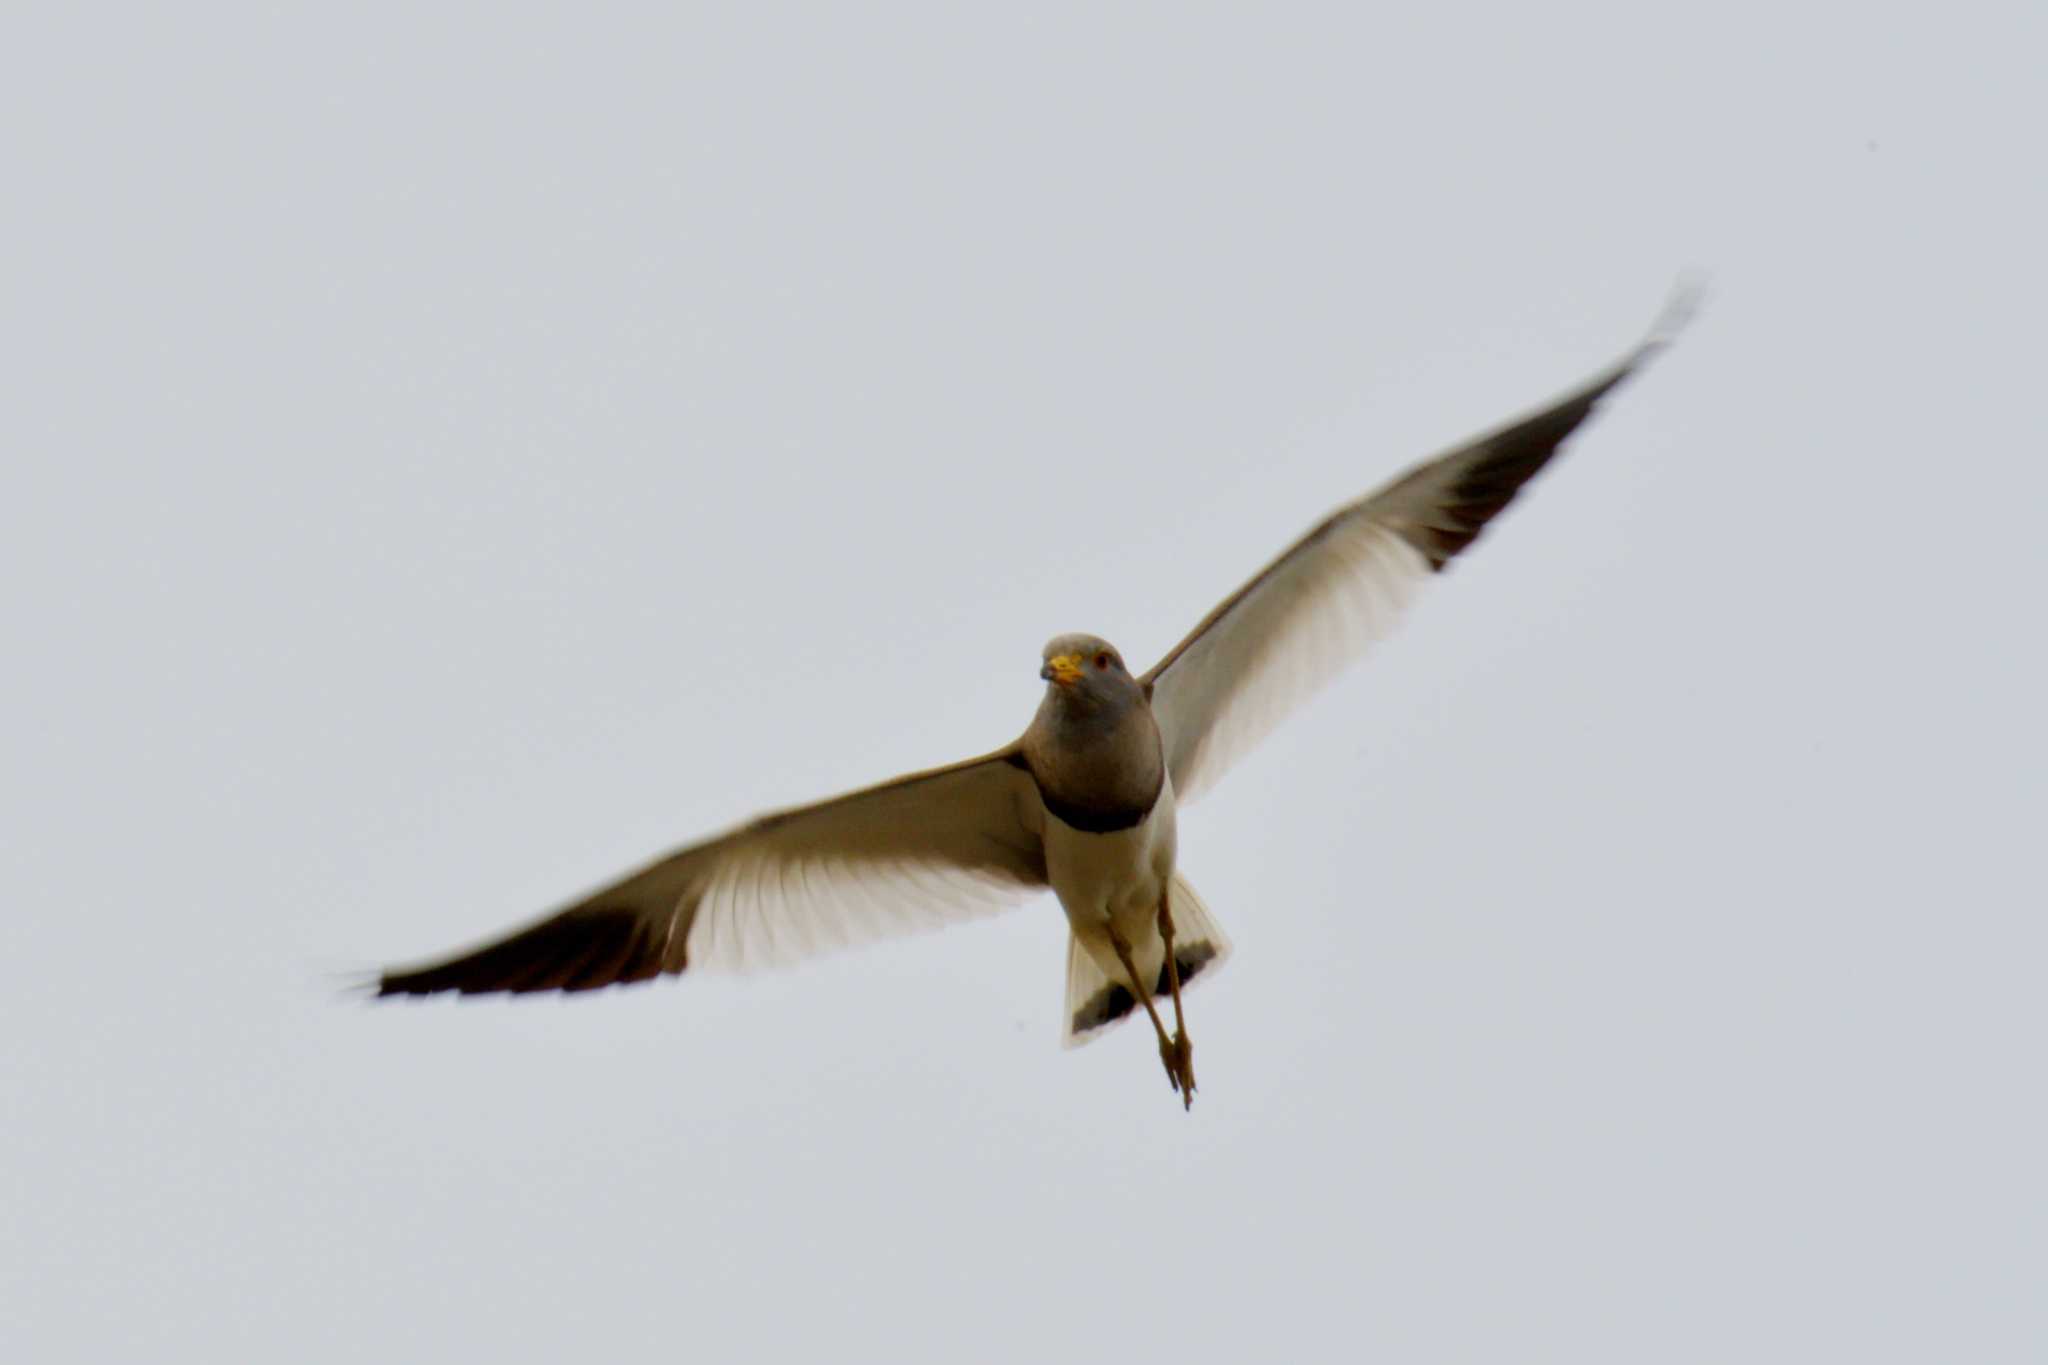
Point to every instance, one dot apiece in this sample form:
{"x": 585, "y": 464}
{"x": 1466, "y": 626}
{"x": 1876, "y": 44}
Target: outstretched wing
{"x": 924, "y": 850}
{"x": 1331, "y": 594}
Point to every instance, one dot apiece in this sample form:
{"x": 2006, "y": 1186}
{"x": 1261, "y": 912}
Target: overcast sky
{"x": 450, "y": 459}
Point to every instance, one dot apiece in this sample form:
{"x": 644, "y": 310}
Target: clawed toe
{"x": 1178, "y": 1057}
{"x": 1169, "y": 1058}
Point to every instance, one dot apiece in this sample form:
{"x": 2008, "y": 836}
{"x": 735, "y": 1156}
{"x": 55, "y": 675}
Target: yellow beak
{"x": 1064, "y": 670}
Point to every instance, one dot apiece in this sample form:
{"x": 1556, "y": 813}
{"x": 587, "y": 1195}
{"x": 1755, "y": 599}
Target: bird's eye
{"x": 1102, "y": 661}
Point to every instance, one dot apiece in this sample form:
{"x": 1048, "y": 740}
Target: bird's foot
{"x": 1171, "y": 1061}
{"x": 1178, "y": 1057}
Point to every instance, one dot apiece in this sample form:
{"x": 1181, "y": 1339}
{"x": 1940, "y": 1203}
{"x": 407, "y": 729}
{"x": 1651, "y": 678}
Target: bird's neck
{"x": 1096, "y": 768}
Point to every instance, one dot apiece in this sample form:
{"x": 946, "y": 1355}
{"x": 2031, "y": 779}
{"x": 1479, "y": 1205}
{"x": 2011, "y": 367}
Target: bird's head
{"x": 1085, "y": 671}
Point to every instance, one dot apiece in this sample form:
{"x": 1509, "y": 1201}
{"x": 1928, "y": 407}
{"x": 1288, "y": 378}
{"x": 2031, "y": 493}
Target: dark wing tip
{"x": 1485, "y": 476}
{"x": 1492, "y": 471}
{"x": 578, "y": 950}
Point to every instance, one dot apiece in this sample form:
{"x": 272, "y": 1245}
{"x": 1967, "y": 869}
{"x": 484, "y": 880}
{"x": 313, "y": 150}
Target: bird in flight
{"x": 1083, "y": 803}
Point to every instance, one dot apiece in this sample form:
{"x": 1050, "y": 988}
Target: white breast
{"x": 1116, "y": 877}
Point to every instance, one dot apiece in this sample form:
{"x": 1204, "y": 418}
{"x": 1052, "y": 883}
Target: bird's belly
{"x": 1114, "y": 878}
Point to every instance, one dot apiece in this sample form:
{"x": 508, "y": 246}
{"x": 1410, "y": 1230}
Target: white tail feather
{"x": 1096, "y": 1004}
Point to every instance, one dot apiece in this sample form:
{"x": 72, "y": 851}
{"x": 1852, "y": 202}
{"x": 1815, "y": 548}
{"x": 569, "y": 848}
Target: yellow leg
{"x": 1183, "y": 1060}
{"x": 1167, "y": 1055}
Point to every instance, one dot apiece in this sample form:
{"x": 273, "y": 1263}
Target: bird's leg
{"x": 1183, "y": 1060}
{"x": 1144, "y": 997}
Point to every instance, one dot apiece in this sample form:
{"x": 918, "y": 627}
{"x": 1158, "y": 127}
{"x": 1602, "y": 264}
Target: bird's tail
{"x": 1095, "y": 1003}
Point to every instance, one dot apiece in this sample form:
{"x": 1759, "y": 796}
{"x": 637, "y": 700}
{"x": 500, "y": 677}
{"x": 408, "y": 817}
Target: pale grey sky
{"x": 453, "y": 456}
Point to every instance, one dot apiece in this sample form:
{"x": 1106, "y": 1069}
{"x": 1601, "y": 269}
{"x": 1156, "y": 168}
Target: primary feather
{"x": 1303, "y": 618}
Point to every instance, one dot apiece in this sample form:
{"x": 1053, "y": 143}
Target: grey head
{"x": 1085, "y": 676}
{"x": 1093, "y": 747}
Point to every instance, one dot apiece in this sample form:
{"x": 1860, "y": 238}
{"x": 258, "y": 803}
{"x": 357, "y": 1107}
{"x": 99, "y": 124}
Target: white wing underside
{"x": 926, "y": 850}
{"x": 1331, "y": 595}
{"x": 1298, "y": 629}
{"x": 768, "y": 907}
